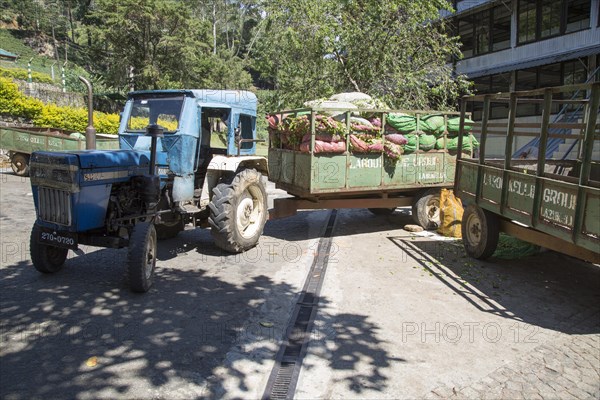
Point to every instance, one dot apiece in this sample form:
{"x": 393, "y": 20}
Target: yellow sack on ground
{"x": 451, "y": 213}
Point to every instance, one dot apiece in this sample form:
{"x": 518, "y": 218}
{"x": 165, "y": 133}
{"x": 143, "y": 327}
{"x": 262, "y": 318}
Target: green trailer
{"x": 20, "y": 142}
{"x": 541, "y": 196}
{"x": 351, "y": 178}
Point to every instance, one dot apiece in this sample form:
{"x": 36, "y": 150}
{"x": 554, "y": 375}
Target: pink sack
{"x": 358, "y": 145}
{"x": 396, "y": 138}
{"x": 376, "y": 147}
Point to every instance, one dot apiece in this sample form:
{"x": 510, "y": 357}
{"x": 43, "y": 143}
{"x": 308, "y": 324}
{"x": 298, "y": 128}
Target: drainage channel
{"x": 285, "y": 373}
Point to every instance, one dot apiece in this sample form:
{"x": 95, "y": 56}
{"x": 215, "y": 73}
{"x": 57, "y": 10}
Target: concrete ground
{"x": 411, "y": 317}
{"x": 402, "y": 316}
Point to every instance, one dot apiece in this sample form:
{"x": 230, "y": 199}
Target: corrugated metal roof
{"x": 534, "y": 62}
{"x": 469, "y": 6}
{"x": 4, "y": 53}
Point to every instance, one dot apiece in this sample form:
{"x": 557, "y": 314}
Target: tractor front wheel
{"x": 46, "y": 259}
{"x": 141, "y": 257}
{"x": 238, "y": 212}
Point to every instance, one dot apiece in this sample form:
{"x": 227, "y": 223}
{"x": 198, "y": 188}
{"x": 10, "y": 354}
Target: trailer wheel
{"x": 19, "y": 163}
{"x": 382, "y": 211}
{"x": 480, "y": 232}
{"x": 426, "y": 209}
{"x": 171, "y": 224}
{"x": 46, "y": 259}
{"x": 238, "y": 212}
{"x": 141, "y": 257}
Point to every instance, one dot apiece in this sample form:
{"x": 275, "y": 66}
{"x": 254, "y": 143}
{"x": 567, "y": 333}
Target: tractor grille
{"x": 54, "y": 205}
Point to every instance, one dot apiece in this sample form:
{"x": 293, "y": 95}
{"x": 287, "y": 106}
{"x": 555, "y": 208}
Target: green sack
{"x": 426, "y": 142}
{"x": 402, "y": 122}
{"x": 411, "y": 144}
{"x": 469, "y": 143}
{"x": 454, "y": 124}
{"x": 433, "y": 123}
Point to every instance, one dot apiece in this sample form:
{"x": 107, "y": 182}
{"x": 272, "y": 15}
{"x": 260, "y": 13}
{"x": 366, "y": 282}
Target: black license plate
{"x": 58, "y": 239}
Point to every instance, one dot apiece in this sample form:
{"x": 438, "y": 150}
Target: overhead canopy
{"x": 8, "y": 55}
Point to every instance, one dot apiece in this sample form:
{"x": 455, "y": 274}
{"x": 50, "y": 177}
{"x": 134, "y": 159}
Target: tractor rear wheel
{"x": 238, "y": 212}
{"x": 46, "y": 259}
{"x": 141, "y": 257}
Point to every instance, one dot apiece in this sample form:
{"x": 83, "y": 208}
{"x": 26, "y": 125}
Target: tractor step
{"x": 189, "y": 209}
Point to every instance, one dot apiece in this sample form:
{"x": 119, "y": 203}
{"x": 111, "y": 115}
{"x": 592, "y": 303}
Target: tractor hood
{"x": 99, "y": 159}
{"x": 110, "y": 159}
{"x": 71, "y": 170}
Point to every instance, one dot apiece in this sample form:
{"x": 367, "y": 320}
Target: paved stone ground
{"x": 564, "y": 367}
{"x": 567, "y": 368}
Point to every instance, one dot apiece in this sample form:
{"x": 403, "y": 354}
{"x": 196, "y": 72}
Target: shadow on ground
{"x": 548, "y": 289}
{"x": 80, "y": 333}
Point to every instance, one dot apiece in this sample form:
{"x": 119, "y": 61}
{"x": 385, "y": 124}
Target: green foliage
{"x": 106, "y": 123}
{"x": 54, "y": 116}
{"x": 22, "y": 74}
{"x": 12, "y": 102}
{"x": 15, "y": 103}
{"x": 395, "y": 50}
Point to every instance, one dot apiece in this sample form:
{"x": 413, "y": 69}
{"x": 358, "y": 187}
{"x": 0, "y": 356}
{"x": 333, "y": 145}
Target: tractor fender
{"x": 233, "y": 164}
{"x": 221, "y": 165}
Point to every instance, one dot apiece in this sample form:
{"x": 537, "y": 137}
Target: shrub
{"x": 19, "y": 73}
{"x": 106, "y": 123}
{"x": 43, "y": 115}
{"x": 15, "y": 103}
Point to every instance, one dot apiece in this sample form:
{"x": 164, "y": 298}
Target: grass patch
{"x": 10, "y": 41}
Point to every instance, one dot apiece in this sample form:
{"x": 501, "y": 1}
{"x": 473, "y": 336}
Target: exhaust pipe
{"x": 90, "y": 131}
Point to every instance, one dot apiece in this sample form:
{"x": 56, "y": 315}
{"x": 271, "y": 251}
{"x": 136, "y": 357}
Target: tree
{"x": 396, "y": 50}
{"x": 164, "y": 42}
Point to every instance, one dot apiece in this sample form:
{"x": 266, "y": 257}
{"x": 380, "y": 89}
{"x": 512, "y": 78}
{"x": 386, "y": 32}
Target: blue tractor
{"x": 186, "y": 156}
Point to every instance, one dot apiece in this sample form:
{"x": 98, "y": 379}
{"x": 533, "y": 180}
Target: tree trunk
{"x": 55, "y": 45}
{"x": 71, "y": 22}
{"x": 214, "y": 24}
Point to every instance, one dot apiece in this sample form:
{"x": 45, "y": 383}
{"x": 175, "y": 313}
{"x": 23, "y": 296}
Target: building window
{"x": 491, "y": 84}
{"x": 574, "y": 72}
{"x": 527, "y": 20}
{"x": 578, "y": 15}
{"x": 557, "y": 74}
{"x": 550, "y": 18}
{"x": 542, "y": 19}
{"x": 500, "y": 28}
{"x": 465, "y": 31}
{"x": 485, "y": 31}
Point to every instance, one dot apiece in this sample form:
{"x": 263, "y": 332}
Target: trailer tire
{"x": 170, "y": 226}
{"x": 19, "y": 163}
{"x": 238, "y": 212}
{"x": 426, "y": 209}
{"x": 141, "y": 257}
{"x": 480, "y": 232}
{"x": 382, "y": 211}
{"x": 46, "y": 259}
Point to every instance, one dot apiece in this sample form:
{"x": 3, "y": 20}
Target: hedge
{"x": 21, "y": 74}
{"x": 15, "y": 103}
